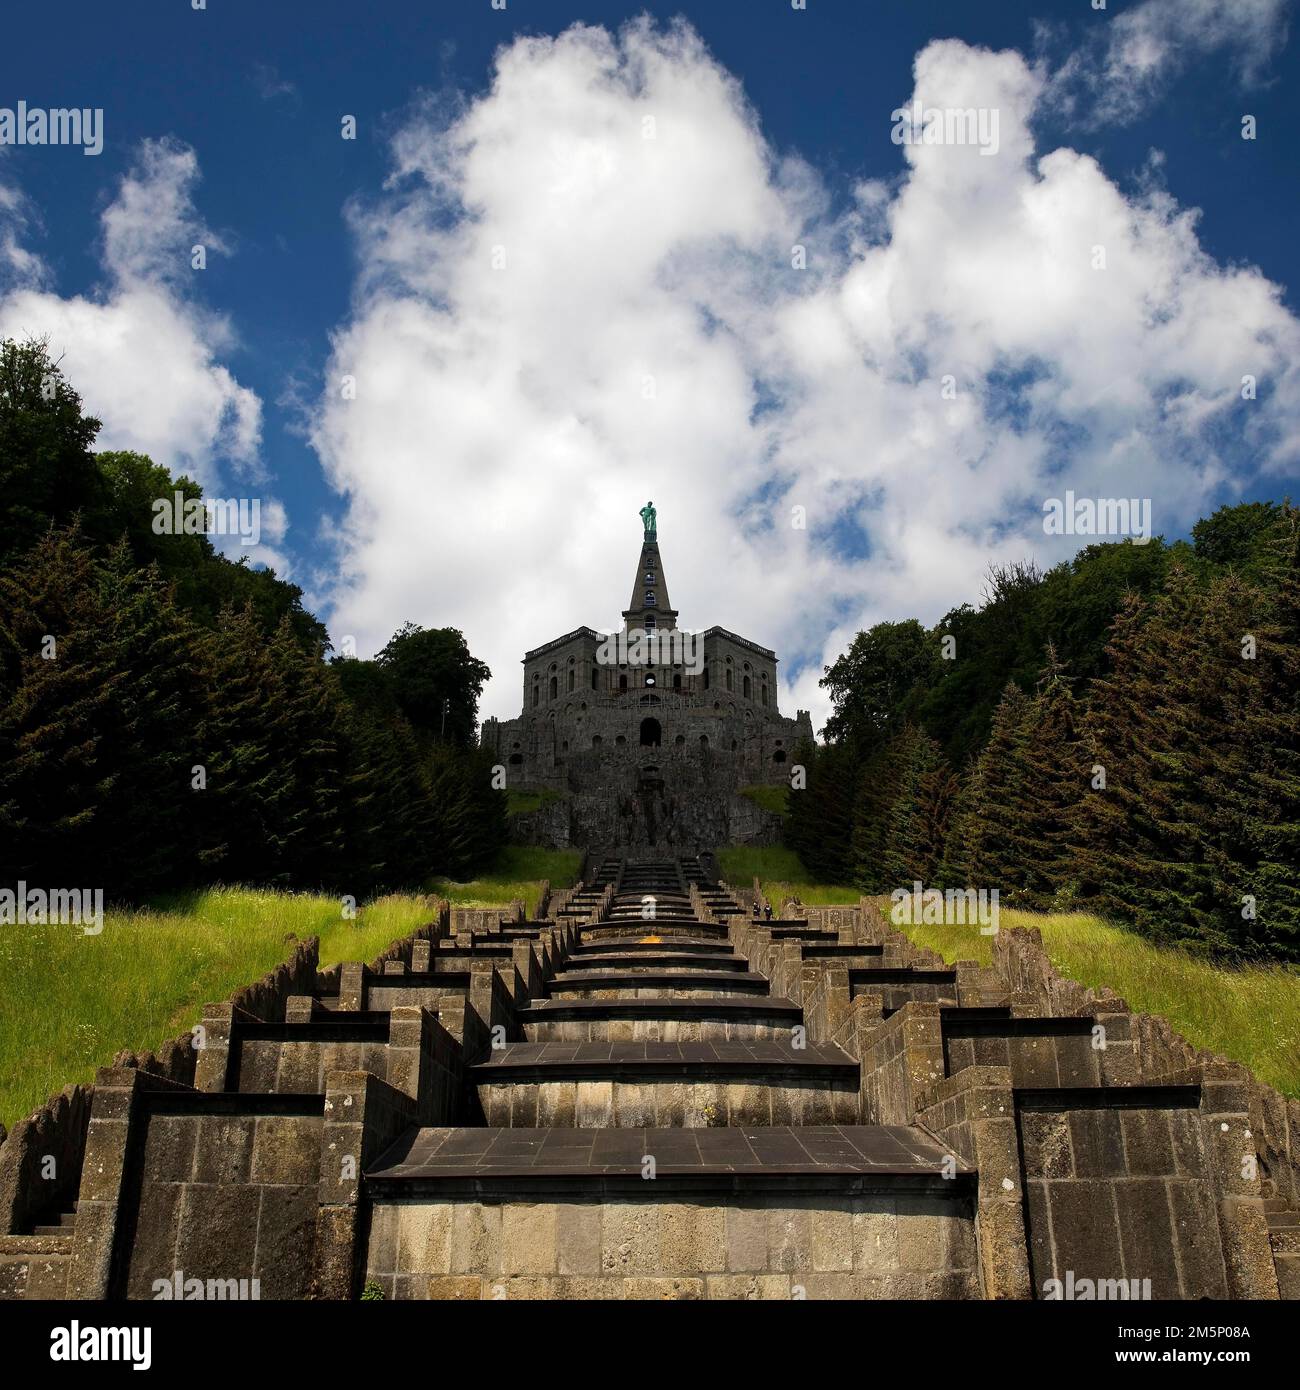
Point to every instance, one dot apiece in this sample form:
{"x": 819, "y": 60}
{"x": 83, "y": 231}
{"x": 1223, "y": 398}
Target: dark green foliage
{"x": 435, "y": 681}
{"x": 820, "y": 825}
{"x": 167, "y": 717}
{"x": 916, "y": 823}
{"x": 871, "y": 683}
{"x": 47, "y": 472}
{"x": 1153, "y": 775}
{"x": 987, "y": 851}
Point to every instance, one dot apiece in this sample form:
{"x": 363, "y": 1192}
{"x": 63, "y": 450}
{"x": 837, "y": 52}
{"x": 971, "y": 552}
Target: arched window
{"x": 779, "y": 756}
{"x": 704, "y": 740}
{"x": 594, "y": 674}
{"x": 649, "y": 622}
{"x": 729, "y": 685}
{"x": 649, "y": 599}
{"x": 570, "y": 678}
{"x": 745, "y": 691}
{"x": 555, "y": 687}
{"x": 649, "y": 576}
{"x": 516, "y": 759}
{"x": 679, "y": 740}
{"x": 622, "y": 683}
{"x": 677, "y": 680}
{"x": 595, "y": 741}
{"x": 651, "y": 733}
{"x": 706, "y": 678}
{"x": 537, "y": 694}
{"x": 650, "y": 678}
{"x": 764, "y": 694}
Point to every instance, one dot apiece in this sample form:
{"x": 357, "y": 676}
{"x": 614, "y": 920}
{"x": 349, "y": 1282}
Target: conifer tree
{"x": 916, "y": 822}
{"x": 820, "y": 826}
{"x": 148, "y": 837}
{"x": 56, "y": 698}
{"x": 879, "y": 785}
{"x": 990, "y": 848}
{"x": 1048, "y": 788}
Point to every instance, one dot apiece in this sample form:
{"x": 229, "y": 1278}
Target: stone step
{"x": 1041, "y": 1052}
{"x": 683, "y": 1018}
{"x": 679, "y": 1085}
{"x": 484, "y": 1155}
{"x": 679, "y": 945}
{"x": 658, "y": 958}
{"x": 65, "y": 1225}
{"x": 635, "y": 930}
{"x": 655, "y": 980}
{"x": 712, "y": 1018}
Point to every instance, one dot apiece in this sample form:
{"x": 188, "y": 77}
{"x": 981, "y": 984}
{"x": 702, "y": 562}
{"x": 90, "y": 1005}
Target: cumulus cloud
{"x": 142, "y": 350}
{"x": 579, "y": 291}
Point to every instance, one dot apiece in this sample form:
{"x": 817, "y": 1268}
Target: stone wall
{"x": 757, "y": 1246}
{"x": 1024, "y": 965}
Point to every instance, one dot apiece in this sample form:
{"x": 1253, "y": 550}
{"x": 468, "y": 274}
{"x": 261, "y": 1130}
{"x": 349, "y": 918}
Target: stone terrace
{"x": 656, "y": 1091}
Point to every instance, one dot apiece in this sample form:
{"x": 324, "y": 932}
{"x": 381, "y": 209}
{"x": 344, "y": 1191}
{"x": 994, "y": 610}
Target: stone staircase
{"x": 665, "y": 1126}
{"x": 655, "y": 1093}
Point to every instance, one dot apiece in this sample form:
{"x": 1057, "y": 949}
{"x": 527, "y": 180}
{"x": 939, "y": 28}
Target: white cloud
{"x": 501, "y": 439}
{"x": 1134, "y": 54}
{"x": 142, "y": 351}
{"x": 18, "y": 264}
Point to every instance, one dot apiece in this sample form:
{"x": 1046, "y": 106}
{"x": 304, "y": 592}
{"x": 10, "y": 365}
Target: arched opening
{"x": 537, "y": 694}
{"x": 764, "y": 694}
{"x": 555, "y": 687}
{"x": 679, "y": 740}
{"x": 651, "y": 733}
{"x": 677, "y": 680}
{"x": 593, "y": 678}
{"x": 704, "y": 740}
{"x": 619, "y": 741}
{"x": 622, "y": 683}
{"x": 650, "y": 678}
{"x": 779, "y": 756}
{"x": 745, "y": 691}
{"x": 706, "y": 678}
{"x": 516, "y": 759}
{"x": 570, "y": 678}
{"x": 729, "y": 686}
{"x": 596, "y": 741}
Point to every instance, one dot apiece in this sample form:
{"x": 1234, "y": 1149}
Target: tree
{"x": 819, "y": 827}
{"x": 870, "y": 684}
{"x": 917, "y": 819}
{"x": 990, "y": 849}
{"x": 433, "y": 669}
{"x": 47, "y": 472}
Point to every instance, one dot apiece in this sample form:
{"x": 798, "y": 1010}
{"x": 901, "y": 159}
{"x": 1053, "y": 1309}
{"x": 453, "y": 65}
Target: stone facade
{"x": 649, "y": 741}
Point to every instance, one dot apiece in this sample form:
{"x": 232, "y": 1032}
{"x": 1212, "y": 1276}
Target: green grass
{"x": 69, "y": 1001}
{"x": 1251, "y": 1015}
{"x": 518, "y": 873}
{"x": 769, "y": 798}
{"x": 782, "y": 875}
{"x": 518, "y": 803}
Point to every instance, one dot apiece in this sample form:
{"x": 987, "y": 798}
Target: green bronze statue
{"x": 648, "y": 515}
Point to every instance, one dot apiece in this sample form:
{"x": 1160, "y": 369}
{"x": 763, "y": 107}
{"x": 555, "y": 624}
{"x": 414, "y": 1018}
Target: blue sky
{"x": 249, "y": 100}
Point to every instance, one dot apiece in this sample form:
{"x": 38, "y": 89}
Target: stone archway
{"x": 651, "y": 733}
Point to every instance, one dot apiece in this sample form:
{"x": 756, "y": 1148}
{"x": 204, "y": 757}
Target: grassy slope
{"x": 518, "y": 873}
{"x": 68, "y": 1001}
{"x": 1251, "y": 1015}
